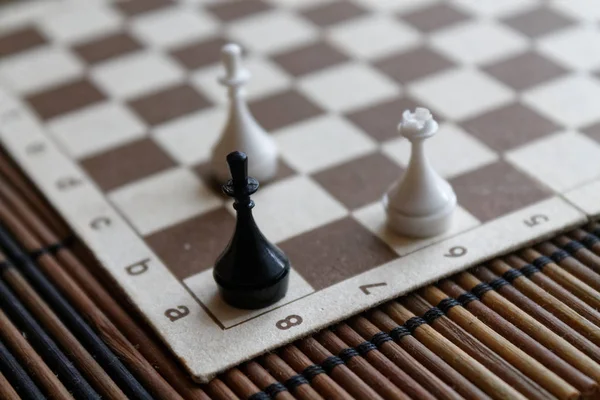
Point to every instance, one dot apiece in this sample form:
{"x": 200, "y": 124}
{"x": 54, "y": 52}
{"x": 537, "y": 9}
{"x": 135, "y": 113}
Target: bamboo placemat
{"x": 523, "y": 326}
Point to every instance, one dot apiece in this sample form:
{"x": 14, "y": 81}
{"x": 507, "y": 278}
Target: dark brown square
{"x": 130, "y": 162}
{"x": 336, "y": 252}
{"x": 496, "y": 190}
{"x": 525, "y": 70}
{"x": 65, "y": 98}
{"x": 510, "y": 126}
{"x": 333, "y": 13}
{"x": 593, "y": 131}
{"x": 310, "y": 58}
{"x": 538, "y": 22}
{"x": 413, "y": 64}
{"x": 135, "y": 7}
{"x": 232, "y": 10}
{"x": 381, "y": 120}
{"x": 200, "y": 54}
{"x": 360, "y": 181}
{"x": 105, "y": 48}
{"x": 435, "y": 17}
{"x": 193, "y": 246}
{"x": 168, "y": 104}
{"x": 20, "y": 40}
{"x": 283, "y": 108}
{"x": 203, "y": 171}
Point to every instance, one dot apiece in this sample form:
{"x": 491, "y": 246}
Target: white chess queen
{"x": 242, "y": 132}
{"x": 421, "y": 203}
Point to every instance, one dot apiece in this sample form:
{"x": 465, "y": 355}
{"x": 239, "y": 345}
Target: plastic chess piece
{"x": 421, "y": 203}
{"x": 251, "y": 272}
{"x": 241, "y": 131}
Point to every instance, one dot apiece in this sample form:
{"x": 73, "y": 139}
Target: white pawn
{"x": 421, "y": 204}
{"x": 242, "y": 132}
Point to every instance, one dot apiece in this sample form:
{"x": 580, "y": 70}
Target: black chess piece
{"x": 251, "y": 272}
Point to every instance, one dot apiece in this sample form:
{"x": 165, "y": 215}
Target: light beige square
{"x": 561, "y": 161}
{"x": 39, "y": 69}
{"x": 136, "y": 74}
{"x": 164, "y": 199}
{"x": 347, "y": 87}
{"x": 293, "y": 206}
{"x": 461, "y": 93}
{"x": 96, "y": 128}
{"x": 478, "y": 42}
{"x": 173, "y": 26}
{"x": 322, "y": 142}
{"x": 190, "y": 139}
{"x": 374, "y": 36}
{"x": 272, "y": 31}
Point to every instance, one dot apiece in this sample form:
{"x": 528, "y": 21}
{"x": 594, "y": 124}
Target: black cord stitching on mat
{"x": 347, "y": 354}
{"x": 413, "y": 323}
{"x": 21, "y": 258}
{"x": 380, "y": 338}
{"x": 589, "y": 240}
{"x": 399, "y": 332}
{"x": 432, "y": 314}
{"x": 365, "y": 347}
{"x": 330, "y": 363}
{"x": 573, "y": 246}
{"x": 481, "y": 289}
{"x": 498, "y": 283}
{"x": 50, "y": 249}
{"x": 259, "y": 396}
{"x": 541, "y": 262}
{"x": 466, "y": 298}
{"x": 294, "y": 381}
{"x": 447, "y": 303}
{"x": 511, "y": 275}
{"x": 274, "y": 389}
{"x": 37, "y": 253}
{"x": 55, "y": 247}
{"x": 311, "y": 371}
{"x": 559, "y": 255}
{"x": 68, "y": 240}
{"x": 528, "y": 270}
{"x": 4, "y": 264}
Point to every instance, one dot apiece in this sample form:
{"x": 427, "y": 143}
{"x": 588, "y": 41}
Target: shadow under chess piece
{"x": 251, "y": 272}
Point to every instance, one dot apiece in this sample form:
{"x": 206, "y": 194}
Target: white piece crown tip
{"x": 235, "y": 73}
{"x": 231, "y": 50}
{"x": 422, "y": 113}
{"x": 418, "y": 124}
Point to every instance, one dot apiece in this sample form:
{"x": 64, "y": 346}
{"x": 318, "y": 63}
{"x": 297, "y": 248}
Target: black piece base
{"x": 255, "y": 298}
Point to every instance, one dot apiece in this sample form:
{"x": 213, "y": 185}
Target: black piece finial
{"x": 251, "y": 272}
{"x": 238, "y": 167}
{"x": 241, "y": 186}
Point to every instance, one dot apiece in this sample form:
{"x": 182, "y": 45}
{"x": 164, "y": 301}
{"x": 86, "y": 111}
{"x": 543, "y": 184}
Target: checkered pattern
{"x": 129, "y": 90}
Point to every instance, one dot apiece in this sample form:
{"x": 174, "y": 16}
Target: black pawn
{"x": 251, "y": 272}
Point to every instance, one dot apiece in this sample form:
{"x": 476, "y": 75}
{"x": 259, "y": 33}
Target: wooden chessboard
{"x": 112, "y": 109}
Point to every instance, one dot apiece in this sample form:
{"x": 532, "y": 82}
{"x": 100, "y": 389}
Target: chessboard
{"x": 112, "y": 108}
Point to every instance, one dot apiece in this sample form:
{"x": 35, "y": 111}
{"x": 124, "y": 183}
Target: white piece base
{"x": 420, "y": 226}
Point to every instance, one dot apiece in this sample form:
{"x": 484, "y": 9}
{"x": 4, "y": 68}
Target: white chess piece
{"x": 421, "y": 204}
{"x": 241, "y": 131}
